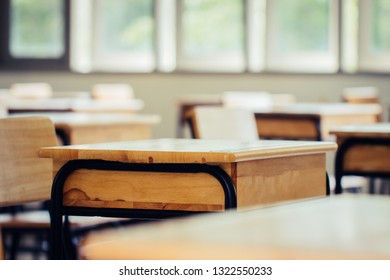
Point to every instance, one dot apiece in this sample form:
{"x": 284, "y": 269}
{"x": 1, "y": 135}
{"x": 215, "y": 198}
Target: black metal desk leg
{"x": 58, "y": 210}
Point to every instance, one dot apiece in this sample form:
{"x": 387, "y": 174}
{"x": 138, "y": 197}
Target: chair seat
{"x": 41, "y": 219}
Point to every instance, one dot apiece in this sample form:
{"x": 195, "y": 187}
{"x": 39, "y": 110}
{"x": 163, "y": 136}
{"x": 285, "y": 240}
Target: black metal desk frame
{"x": 58, "y": 210}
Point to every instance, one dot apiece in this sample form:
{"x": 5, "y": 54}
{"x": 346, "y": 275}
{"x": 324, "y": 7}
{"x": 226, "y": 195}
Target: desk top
{"x": 96, "y": 119}
{"x": 321, "y": 109}
{"x": 367, "y": 130}
{"x": 342, "y": 227}
{"x": 73, "y": 104}
{"x": 186, "y": 150}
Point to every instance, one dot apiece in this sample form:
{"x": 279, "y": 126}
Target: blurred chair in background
{"x": 31, "y": 90}
{"x": 213, "y": 122}
{"x": 256, "y": 101}
{"x": 185, "y": 103}
{"x": 112, "y": 92}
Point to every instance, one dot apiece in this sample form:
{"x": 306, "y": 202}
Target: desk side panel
{"x": 274, "y": 180}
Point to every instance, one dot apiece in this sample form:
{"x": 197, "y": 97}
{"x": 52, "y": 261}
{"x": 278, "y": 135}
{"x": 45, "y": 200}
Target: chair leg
{"x": 14, "y": 246}
{"x": 2, "y": 257}
{"x": 371, "y": 187}
{"x": 384, "y": 186}
{"x": 69, "y": 246}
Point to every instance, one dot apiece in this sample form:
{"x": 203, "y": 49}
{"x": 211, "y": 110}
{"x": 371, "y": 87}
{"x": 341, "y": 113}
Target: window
{"x": 302, "y": 35}
{"x": 374, "y": 35}
{"x": 310, "y": 36}
{"x": 34, "y": 34}
{"x": 120, "y": 35}
{"x": 36, "y": 29}
{"x": 349, "y": 36}
{"x": 211, "y": 35}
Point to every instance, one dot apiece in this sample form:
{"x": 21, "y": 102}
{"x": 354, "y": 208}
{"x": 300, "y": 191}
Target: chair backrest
{"x": 361, "y": 95}
{"x": 216, "y": 122}
{"x": 112, "y": 91}
{"x": 24, "y": 177}
{"x": 247, "y": 100}
{"x": 31, "y": 90}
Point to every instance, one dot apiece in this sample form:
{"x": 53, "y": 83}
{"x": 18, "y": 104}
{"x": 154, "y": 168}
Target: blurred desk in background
{"x": 15, "y": 105}
{"x": 249, "y": 100}
{"x": 364, "y": 150}
{"x": 312, "y": 121}
{"x": 86, "y": 128}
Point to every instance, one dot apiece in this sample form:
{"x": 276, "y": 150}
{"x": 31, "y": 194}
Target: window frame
{"x": 325, "y": 62}
{"x": 368, "y": 61}
{"x": 206, "y": 64}
{"x": 256, "y": 49}
{"x": 105, "y": 60}
{"x": 8, "y": 62}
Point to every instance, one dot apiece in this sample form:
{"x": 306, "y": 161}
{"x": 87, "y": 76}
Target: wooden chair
{"x": 112, "y": 92}
{"x": 247, "y": 100}
{"x": 214, "y": 122}
{"x": 185, "y": 104}
{"x": 31, "y": 90}
{"x": 256, "y": 101}
{"x": 25, "y": 178}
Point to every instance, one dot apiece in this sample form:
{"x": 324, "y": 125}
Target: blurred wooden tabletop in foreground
{"x": 341, "y": 227}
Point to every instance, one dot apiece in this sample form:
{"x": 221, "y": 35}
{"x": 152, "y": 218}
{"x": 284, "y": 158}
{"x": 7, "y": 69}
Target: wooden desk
{"x": 86, "y": 128}
{"x": 330, "y": 228}
{"x": 162, "y": 178}
{"x": 16, "y": 105}
{"x": 312, "y": 121}
{"x": 364, "y": 150}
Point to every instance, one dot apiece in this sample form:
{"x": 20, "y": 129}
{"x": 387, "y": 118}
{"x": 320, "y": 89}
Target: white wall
{"x": 160, "y": 91}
